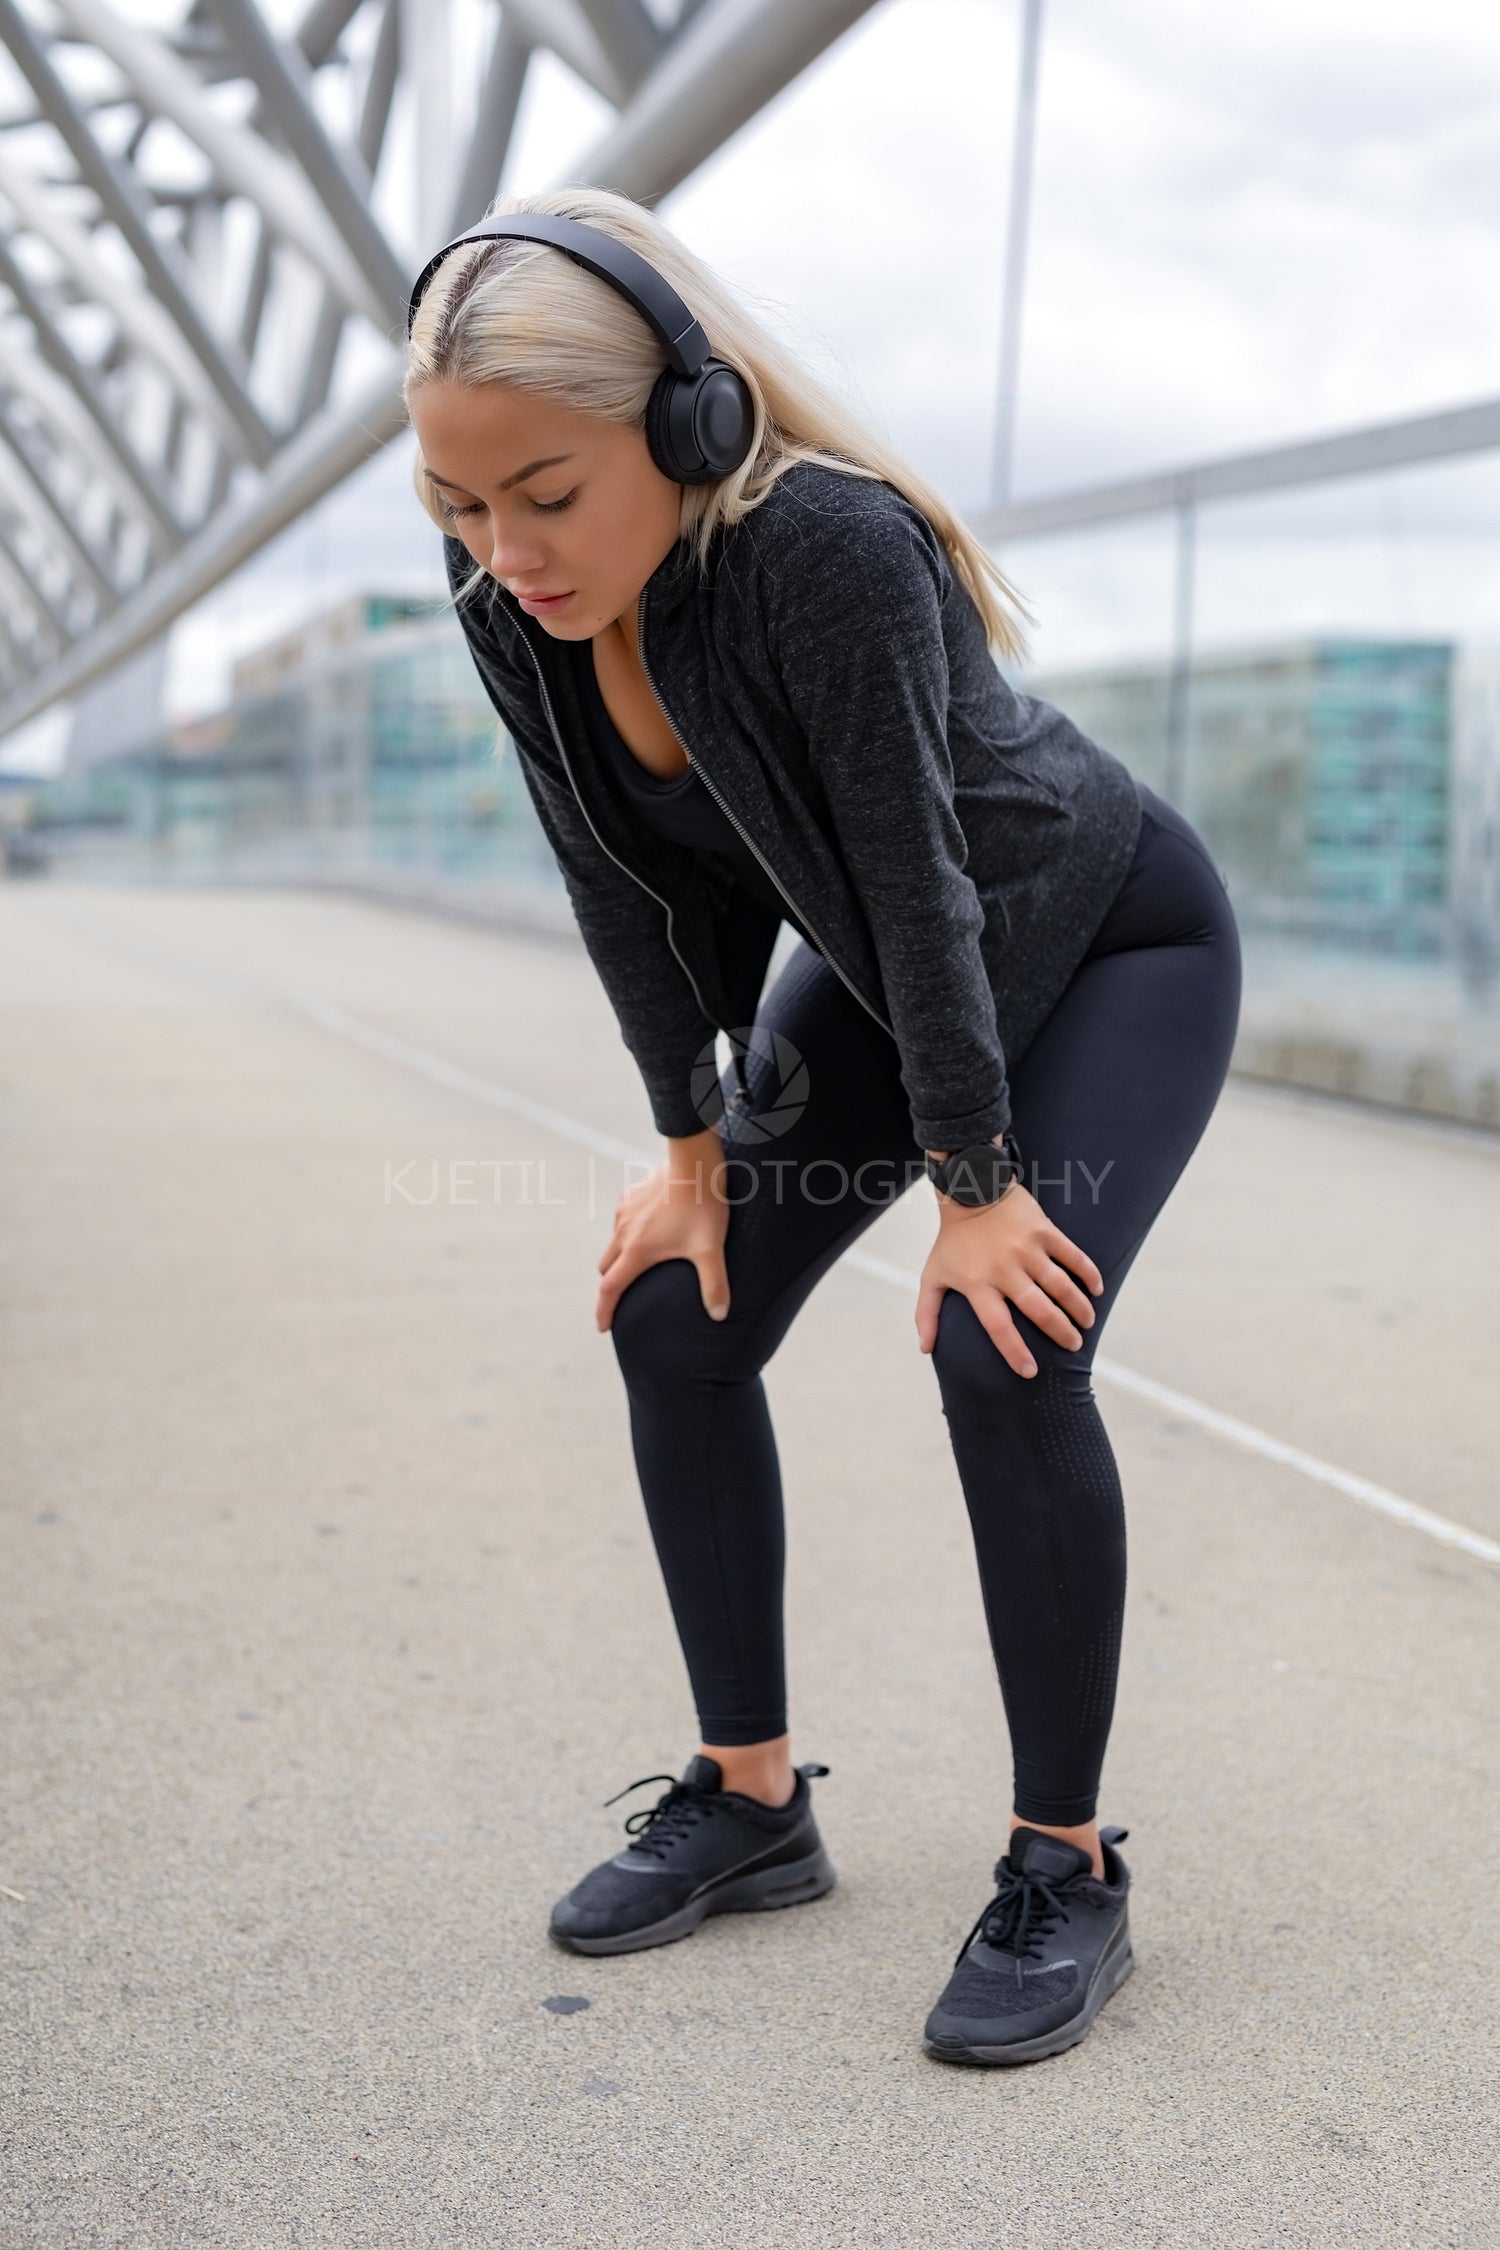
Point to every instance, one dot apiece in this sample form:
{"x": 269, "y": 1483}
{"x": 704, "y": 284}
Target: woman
{"x": 752, "y": 683}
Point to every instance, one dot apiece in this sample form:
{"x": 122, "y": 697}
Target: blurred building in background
{"x": 1349, "y": 788}
{"x": 121, "y": 713}
{"x": 358, "y": 748}
{"x": 1325, "y": 773}
{"x": 1319, "y": 775}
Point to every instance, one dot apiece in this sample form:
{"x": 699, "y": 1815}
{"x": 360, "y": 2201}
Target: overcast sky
{"x": 1248, "y": 225}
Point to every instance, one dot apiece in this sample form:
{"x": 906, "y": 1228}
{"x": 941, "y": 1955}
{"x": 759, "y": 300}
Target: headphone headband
{"x": 700, "y": 416}
{"x": 657, "y": 302}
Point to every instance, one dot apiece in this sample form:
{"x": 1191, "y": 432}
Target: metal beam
{"x": 1017, "y": 227}
{"x": 46, "y": 617}
{"x": 380, "y": 86}
{"x": 340, "y": 177}
{"x": 761, "y": 44}
{"x": 427, "y": 52}
{"x": 1377, "y": 447}
{"x": 252, "y": 308}
{"x": 245, "y": 163}
{"x": 73, "y": 434}
{"x": 140, "y": 316}
{"x": 324, "y": 26}
{"x": 733, "y": 58}
{"x": 563, "y": 27}
{"x": 317, "y": 370}
{"x": 14, "y": 653}
{"x": 369, "y": 139}
{"x": 630, "y": 38}
{"x": 257, "y": 287}
{"x": 309, "y": 466}
{"x": 494, "y": 122}
{"x": 57, "y": 513}
{"x": 161, "y": 262}
{"x": 90, "y": 394}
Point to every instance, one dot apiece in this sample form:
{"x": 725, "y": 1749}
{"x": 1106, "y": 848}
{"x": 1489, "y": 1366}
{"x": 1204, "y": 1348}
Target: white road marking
{"x": 428, "y": 1065}
{"x": 1234, "y": 1432}
{"x": 1376, "y": 1496}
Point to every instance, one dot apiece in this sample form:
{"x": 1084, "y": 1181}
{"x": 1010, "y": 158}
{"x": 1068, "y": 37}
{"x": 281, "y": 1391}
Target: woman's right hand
{"x": 677, "y": 1211}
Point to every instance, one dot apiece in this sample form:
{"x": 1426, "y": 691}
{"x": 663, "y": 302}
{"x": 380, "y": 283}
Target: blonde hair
{"x": 524, "y": 314}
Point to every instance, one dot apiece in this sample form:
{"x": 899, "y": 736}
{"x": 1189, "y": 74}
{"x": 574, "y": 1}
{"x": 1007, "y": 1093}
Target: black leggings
{"x": 1108, "y": 1104}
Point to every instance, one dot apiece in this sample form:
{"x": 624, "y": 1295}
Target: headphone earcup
{"x": 700, "y": 427}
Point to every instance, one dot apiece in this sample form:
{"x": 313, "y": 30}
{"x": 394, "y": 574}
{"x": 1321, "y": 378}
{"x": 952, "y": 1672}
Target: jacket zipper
{"x": 739, "y": 1065}
{"x": 640, "y": 640}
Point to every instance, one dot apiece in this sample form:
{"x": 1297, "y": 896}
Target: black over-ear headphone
{"x": 700, "y": 420}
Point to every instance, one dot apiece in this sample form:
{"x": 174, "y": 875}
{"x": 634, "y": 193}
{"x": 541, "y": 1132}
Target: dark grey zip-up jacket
{"x": 952, "y": 844}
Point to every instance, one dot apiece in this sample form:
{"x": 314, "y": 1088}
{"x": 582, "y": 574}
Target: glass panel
{"x": 1101, "y": 597}
{"x": 363, "y": 742}
{"x": 1335, "y": 737}
{"x": 1336, "y": 740}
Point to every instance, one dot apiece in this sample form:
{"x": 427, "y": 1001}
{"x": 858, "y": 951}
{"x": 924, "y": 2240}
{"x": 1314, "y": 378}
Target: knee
{"x": 658, "y": 1325}
{"x": 973, "y": 1372}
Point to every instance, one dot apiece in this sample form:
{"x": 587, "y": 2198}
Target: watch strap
{"x": 964, "y": 1174}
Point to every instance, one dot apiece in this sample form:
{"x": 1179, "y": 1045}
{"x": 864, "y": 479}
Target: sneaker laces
{"x": 656, "y": 1828}
{"x": 1019, "y": 1917}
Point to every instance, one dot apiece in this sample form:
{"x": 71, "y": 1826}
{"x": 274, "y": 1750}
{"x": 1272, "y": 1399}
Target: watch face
{"x": 980, "y": 1174}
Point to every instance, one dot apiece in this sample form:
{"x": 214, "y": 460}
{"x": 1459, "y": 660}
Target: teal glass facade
{"x": 1317, "y": 771}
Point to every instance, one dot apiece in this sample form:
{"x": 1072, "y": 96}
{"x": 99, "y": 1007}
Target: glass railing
{"x": 1313, "y": 676}
{"x": 386, "y": 764}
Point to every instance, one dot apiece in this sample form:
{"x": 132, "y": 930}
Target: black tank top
{"x": 684, "y": 807}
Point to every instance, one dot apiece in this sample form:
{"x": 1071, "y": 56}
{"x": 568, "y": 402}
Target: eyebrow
{"x": 520, "y": 476}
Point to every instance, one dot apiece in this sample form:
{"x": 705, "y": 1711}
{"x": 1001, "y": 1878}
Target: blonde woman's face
{"x": 568, "y": 511}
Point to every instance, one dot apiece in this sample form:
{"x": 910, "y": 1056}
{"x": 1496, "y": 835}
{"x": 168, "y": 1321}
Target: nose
{"x": 514, "y": 553}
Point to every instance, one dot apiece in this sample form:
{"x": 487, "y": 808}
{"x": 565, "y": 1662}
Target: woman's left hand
{"x": 1009, "y": 1249}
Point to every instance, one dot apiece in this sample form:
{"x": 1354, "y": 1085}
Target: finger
{"x": 614, "y": 1246}
{"x": 713, "y": 1284}
{"x": 1065, "y": 1291}
{"x": 616, "y": 1282}
{"x": 1068, "y": 1253}
{"x": 1039, "y": 1309}
{"x": 994, "y": 1316}
{"x": 929, "y": 1305}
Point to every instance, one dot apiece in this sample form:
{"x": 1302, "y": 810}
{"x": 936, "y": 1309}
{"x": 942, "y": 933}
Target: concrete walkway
{"x": 331, "y": 1618}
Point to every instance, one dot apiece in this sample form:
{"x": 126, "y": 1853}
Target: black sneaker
{"x": 701, "y": 1849}
{"x": 1042, "y": 1959}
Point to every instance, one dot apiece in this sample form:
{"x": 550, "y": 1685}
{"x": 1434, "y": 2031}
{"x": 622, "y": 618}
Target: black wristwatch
{"x": 979, "y": 1174}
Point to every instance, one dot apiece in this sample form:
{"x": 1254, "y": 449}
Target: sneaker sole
{"x": 792, "y": 1885}
{"x": 1113, "y": 1967}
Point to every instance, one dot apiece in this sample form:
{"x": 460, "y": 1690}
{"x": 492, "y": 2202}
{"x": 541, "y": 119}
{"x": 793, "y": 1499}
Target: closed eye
{"x": 451, "y": 513}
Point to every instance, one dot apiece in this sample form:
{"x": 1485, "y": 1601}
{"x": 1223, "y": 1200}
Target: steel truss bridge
{"x": 189, "y": 242}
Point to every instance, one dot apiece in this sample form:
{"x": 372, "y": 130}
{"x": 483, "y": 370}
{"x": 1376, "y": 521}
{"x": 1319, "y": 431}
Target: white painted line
{"x": 428, "y": 1065}
{"x": 1376, "y": 1496}
{"x": 1244, "y": 1434}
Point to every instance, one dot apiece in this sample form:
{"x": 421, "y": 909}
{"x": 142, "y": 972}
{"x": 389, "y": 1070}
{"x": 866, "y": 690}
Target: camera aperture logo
{"x": 779, "y": 1085}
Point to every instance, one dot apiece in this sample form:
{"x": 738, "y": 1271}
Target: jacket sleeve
{"x": 622, "y": 926}
{"x": 857, "y": 625}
